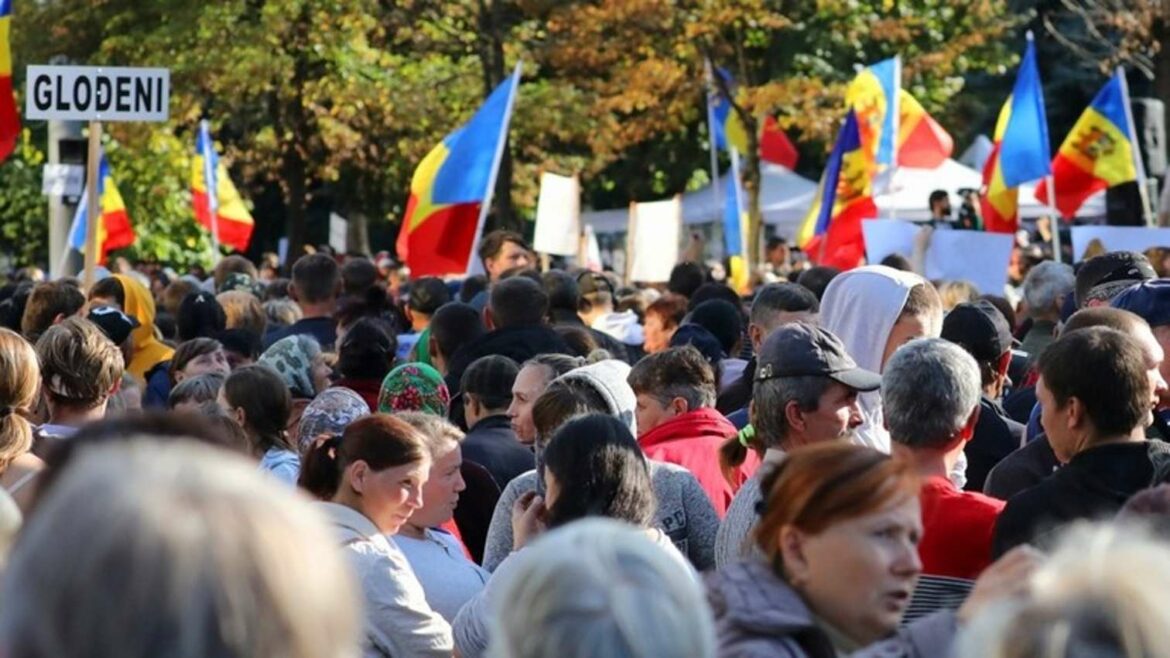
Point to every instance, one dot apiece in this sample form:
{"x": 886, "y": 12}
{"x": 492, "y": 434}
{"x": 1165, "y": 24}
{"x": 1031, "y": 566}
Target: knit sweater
{"x": 684, "y": 513}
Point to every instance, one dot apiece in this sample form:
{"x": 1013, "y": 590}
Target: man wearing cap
{"x": 563, "y": 296}
{"x": 490, "y": 441}
{"x": 980, "y": 329}
{"x": 930, "y": 399}
{"x": 1103, "y": 277}
{"x": 1150, "y": 300}
{"x": 116, "y": 325}
{"x": 595, "y": 298}
{"x": 805, "y": 392}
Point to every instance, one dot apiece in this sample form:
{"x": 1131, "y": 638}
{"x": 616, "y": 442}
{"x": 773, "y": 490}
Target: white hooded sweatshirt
{"x": 861, "y": 307}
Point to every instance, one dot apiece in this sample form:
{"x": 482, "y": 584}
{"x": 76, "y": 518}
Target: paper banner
{"x": 1096, "y": 240}
{"x": 652, "y": 249}
{"x": 558, "y": 215}
{"x": 975, "y": 256}
{"x": 338, "y": 232}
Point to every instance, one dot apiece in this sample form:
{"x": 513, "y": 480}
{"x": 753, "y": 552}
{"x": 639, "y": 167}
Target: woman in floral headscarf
{"x": 414, "y": 387}
{"x": 330, "y": 413}
{"x": 299, "y": 361}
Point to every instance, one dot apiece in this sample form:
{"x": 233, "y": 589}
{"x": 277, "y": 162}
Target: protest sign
{"x": 558, "y": 213}
{"x": 652, "y": 243}
{"x": 952, "y": 255}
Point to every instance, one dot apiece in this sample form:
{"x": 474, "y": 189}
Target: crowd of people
{"x": 526, "y": 464}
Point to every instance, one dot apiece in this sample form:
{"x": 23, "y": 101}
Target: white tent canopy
{"x": 785, "y": 197}
{"x": 909, "y": 194}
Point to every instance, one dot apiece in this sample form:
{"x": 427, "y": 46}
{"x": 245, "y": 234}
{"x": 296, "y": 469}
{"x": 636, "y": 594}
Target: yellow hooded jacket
{"x": 149, "y": 351}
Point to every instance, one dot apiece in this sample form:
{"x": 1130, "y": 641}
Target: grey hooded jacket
{"x": 758, "y": 615}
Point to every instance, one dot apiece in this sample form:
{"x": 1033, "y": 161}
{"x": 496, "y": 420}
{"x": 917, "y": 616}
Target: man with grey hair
{"x": 805, "y": 392}
{"x": 1045, "y": 288}
{"x": 930, "y": 396}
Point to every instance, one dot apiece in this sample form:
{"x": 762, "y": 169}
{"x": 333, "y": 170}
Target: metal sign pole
{"x": 93, "y": 202}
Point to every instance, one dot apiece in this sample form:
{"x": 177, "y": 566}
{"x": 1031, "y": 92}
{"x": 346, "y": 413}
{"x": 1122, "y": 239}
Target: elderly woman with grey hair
{"x": 188, "y": 552}
{"x": 598, "y": 588}
{"x": 1045, "y": 288}
{"x": 930, "y": 393}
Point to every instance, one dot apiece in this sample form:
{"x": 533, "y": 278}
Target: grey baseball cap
{"x": 804, "y": 350}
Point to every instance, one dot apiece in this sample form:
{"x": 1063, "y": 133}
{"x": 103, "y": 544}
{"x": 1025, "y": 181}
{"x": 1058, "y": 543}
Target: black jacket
{"x": 1023, "y": 469}
{"x": 1094, "y": 484}
{"x": 491, "y": 443}
{"x": 996, "y": 436}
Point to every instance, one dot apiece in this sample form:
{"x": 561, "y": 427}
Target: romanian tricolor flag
{"x": 831, "y": 233}
{"x": 113, "y": 228}
{"x": 729, "y": 131}
{"x": 451, "y": 186}
{"x": 1097, "y": 154}
{"x": 9, "y": 116}
{"x": 222, "y": 213}
{"x": 1021, "y": 148}
{"x": 884, "y": 110}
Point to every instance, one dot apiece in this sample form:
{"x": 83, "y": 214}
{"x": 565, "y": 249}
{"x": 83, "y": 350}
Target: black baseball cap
{"x": 804, "y": 350}
{"x": 979, "y": 328}
{"x": 1103, "y": 277}
{"x": 115, "y": 324}
{"x": 428, "y": 294}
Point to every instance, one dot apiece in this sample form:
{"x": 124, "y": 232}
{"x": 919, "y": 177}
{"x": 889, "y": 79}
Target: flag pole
{"x": 1139, "y": 167}
{"x": 715, "y": 189}
{"x": 93, "y": 203}
{"x": 499, "y": 156}
{"x": 212, "y": 186}
{"x": 743, "y": 238}
{"x": 1056, "y": 219}
{"x": 897, "y": 114}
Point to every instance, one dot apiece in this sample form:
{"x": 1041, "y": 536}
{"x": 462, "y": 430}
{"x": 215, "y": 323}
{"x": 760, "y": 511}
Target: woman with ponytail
{"x": 257, "y": 398}
{"x": 370, "y": 479}
{"x": 20, "y": 380}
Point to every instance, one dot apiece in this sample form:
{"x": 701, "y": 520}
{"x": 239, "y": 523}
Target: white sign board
{"x": 975, "y": 256}
{"x": 558, "y": 215}
{"x": 655, "y": 229}
{"x": 97, "y": 93}
{"x": 1117, "y": 238}
{"x": 338, "y": 232}
{"x": 884, "y": 237}
{"x": 953, "y": 255}
{"x": 62, "y": 180}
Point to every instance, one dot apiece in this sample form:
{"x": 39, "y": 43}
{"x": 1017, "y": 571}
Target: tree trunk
{"x": 492, "y": 60}
{"x": 295, "y": 168}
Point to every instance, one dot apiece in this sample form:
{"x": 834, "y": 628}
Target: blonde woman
{"x": 20, "y": 380}
{"x": 188, "y": 551}
{"x": 1102, "y": 593}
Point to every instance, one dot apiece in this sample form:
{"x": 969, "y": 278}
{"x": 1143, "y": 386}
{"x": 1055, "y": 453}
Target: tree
{"x": 22, "y": 208}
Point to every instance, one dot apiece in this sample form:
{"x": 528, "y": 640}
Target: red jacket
{"x": 692, "y": 440}
{"x": 957, "y": 529}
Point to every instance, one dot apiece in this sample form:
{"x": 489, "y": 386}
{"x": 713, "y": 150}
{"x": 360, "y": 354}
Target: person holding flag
{"x": 1020, "y": 152}
{"x": 113, "y": 229}
{"x": 831, "y": 234}
{"x": 1100, "y": 152}
{"x": 221, "y": 212}
{"x": 451, "y": 190}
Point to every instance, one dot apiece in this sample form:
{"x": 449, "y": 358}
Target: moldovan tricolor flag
{"x": 1021, "y": 147}
{"x": 895, "y": 129}
{"x": 831, "y": 233}
{"x": 113, "y": 224}
{"x": 1097, "y": 154}
{"x": 452, "y": 187}
{"x": 222, "y": 213}
{"x": 9, "y": 116}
